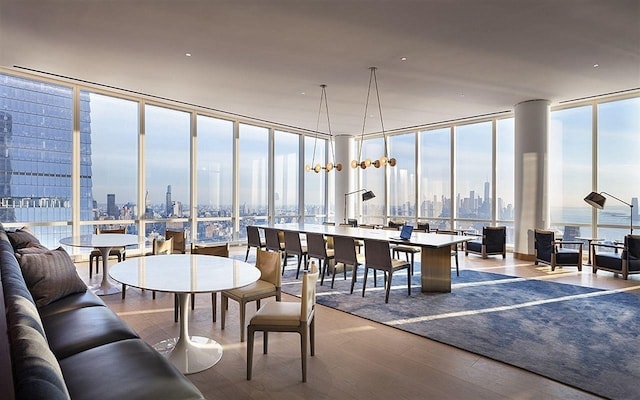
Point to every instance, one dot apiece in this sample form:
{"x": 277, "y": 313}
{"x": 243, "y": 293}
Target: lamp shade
{"x": 595, "y": 200}
{"x": 368, "y": 195}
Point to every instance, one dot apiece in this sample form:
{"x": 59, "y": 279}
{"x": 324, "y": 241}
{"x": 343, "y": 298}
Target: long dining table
{"x": 435, "y": 248}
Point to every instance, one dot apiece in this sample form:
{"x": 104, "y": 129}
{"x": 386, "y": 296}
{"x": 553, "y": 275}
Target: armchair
{"x": 550, "y": 251}
{"x": 493, "y": 241}
{"x": 624, "y": 260}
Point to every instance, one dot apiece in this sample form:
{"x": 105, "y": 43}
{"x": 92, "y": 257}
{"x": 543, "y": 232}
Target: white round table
{"x": 184, "y": 274}
{"x": 104, "y": 243}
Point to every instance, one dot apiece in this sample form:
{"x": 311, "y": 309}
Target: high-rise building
{"x": 36, "y": 124}
{"x": 169, "y": 203}
{"x": 112, "y": 209}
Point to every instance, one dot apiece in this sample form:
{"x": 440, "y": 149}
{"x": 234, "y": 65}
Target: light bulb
{"x": 338, "y": 167}
{"x": 363, "y": 165}
{"x": 307, "y": 167}
{"x": 383, "y": 160}
{"x": 354, "y": 164}
{"x": 392, "y": 162}
{"x": 367, "y": 162}
{"x": 376, "y": 163}
{"x": 329, "y": 167}
{"x": 317, "y": 168}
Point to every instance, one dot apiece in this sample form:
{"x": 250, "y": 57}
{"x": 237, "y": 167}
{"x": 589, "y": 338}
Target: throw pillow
{"x": 20, "y": 238}
{"x": 32, "y": 248}
{"x": 50, "y": 276}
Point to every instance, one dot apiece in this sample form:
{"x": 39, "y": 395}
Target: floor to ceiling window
{"x": 618, "y": 166}
{"x": 570, "y": 159}
{"x": 253, "y": 172}
{"x": 167, "y": 158}
{"x": 505, "y": 168}
{"x": 373, "y": 179}
{"x": 315, "y": 183}
{"x": 286, "y": 172}
{"x": 474, "y": 168}
{"x": 435, "y": 178}
{"x": 402, "y": 177}
{"x": 214, "y": 181}
{"x": 113, "y": 156}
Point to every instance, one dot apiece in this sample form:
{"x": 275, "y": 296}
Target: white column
{"x": 531, "y": 173}
{"x": 345, "y": 179}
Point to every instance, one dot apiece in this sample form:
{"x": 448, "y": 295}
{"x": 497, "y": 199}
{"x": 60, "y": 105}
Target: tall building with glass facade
{"x": 36, "y": 123}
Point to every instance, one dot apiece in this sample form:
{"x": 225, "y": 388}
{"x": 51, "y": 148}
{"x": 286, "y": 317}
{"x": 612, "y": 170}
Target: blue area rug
{"x": 583, "y": 337}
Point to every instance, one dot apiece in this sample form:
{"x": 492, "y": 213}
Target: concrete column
{"x": 344, "y": 179}
{"x": 531, "y": 173}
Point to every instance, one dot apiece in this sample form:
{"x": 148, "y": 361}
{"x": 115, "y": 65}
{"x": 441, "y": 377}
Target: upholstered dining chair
{"x": 345, "y": 255}
{"x": 179, "y": 240}
{"x": 493, "y": 241}
{"x": 550, "y": 251}
{"x": 454, "y": 247}
{"x": 158, "y": 247}
{"x": 317, "y": 247}
{"x": 253, "y": 240}
{"x": 220, "y": 250}
{"x": 96, "y": 255}
{"x": 408, "y": 251}
{"x": 274, "y": 239}
{"x": 284, "y": 316}
{"x": 619, "y": 259}
{"x": 293, "y": 246}
{"x": 269, "y": 285}
{"x": 378, "y": 255}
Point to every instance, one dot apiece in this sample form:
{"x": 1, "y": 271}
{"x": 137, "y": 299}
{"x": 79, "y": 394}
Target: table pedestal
{"x": 105, "y": 287}
{"x": 190, "y": 354}
{"x": 435, "y": 269}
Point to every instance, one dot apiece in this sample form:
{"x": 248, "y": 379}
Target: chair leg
{"x": 246, "y": 257}
{"x": 193, "y": 301}
{"x": 388, "y": 286}
{"x": 353, "y": 276}
{"x": 251, "y": 334}
{"x": 214, "y": 305}
{"x": 364, "y": 283}
{"x": 303, "y": 352}
{"x": 299, "y": 263}
{"x": 265, "y": 342}
{"x": 457, "y": 266}
{"x": 175, "y": 307}
{"x": 124, "y": 291}
{"x": 243, "y": 313}
{"x": 284, "y": 263}
{"x": 224, "y": 302}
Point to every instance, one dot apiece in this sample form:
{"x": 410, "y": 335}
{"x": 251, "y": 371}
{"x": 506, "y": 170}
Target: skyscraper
{"x": 112, "y": 209}
{"x": 169, "y": 203}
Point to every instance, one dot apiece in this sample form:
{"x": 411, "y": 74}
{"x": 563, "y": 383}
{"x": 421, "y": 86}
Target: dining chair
{"x": 454, "y": 247}
{"x": 157, "y": 247}
{"x": 270, "y": 284}
{"x": 378, "y": 255}
{"x": 96, "y": 255}
{"x": 345, "y": 254}
{"x": 408, "y": 251}
{"x": 317, "y": 247}
{"x": 253, "y": 240}
{"x": 220, "y": 250}
{"x": 284, "y": 316}
{"x": 179, "y": 240}
{"x": 274, "y": 239}
{"x": 293, "y": 246}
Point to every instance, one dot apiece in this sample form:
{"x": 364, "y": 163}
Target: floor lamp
{"x": 597, "y": 200}
{"x": 367, "y": 195}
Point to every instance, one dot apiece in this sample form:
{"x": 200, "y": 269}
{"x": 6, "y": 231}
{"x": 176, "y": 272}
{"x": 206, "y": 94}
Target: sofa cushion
{"x": 128, "y": 369}
{"x": 50, "y": 275}
{"x": 91, "y": 327}
{"x": 21, "y": 238}
{"x": 36, "y": 372}
{"x": 71, "y": 302}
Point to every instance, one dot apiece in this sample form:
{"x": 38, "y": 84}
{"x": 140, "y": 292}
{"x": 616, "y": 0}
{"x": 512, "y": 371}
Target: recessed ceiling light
{"x": 403, "y": 59}
{"x": 187, "y": 54}
{"x": 302, "y": 93}
{"x": 596, "y": 65}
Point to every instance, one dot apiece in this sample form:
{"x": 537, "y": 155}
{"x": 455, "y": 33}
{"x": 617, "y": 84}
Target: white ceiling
{"x": 257, "y": 57}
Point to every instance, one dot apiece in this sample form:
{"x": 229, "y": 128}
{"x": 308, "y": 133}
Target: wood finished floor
{"x": 355, "y": 358}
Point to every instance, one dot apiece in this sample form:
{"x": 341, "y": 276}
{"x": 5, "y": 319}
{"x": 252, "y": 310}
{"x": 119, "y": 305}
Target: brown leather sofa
{"x": 74, "y": 347}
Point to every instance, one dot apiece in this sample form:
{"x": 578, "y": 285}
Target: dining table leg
{"x": 190, "y": 354}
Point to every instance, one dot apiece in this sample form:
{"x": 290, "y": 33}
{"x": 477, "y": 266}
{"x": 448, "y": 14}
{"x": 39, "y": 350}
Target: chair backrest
{"x": 494, "y": 235}
{"x": 292, "y": 242}
{"x": 571, "y": 232}
{"x": 309, "y": 281}
{"x": 253, "y": 236}
{"x": 423, "y": 226}
{"x": 632, "y": 246}
{"x": 162, "y": 246}
{"x": 272, "y": 239}
{"x": 270, "y": 265}
{"x": 112, "y": 230}
{"x": 316, "y": 245}
{"x": 220, "y": 250}
{"x": 544, "y": 243}
{"x": 179, "y": 240}
{"x": 377, "y": 254}
{"x": 345, "y": 250}
{"x": 395, "y": 224}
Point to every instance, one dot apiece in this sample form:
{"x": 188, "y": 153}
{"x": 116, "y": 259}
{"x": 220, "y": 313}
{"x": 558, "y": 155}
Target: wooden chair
{"x": 220, "y": 250}
{"x": 157, "y": 247}
{"x": 96, "y": 255}
{"x": 274, "y": 239}
{"x": 345, "y": 254}
{"x": 624, "y": 260}
{"x": 378, "y": 255}
{"x": 270, "y": 284}
{"x": 317, "y": 247}
{"x": 253, "y": 240}
{"x": 281, "y": 316}
{"x": 550, "y": 251}
{"x": 293, "y": 246}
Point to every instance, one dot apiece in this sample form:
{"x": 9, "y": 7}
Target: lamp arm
{"x": 620, "y": 200}
{"x": 345, "y": 201}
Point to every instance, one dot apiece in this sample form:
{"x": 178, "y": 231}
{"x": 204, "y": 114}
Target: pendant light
{"x": 329, "y": 165}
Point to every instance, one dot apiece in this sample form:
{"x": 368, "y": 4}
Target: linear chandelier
{"x": 328, "y": 166}
{"x": 384, "y": 160}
